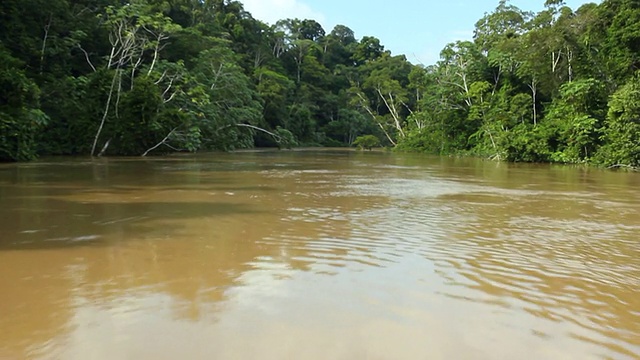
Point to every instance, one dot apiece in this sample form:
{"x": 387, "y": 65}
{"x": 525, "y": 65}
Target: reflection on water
{"x": 317, "y": 255}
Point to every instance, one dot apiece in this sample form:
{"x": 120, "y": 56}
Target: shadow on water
{"x": 135, "y": 262}
{"x": 487, "y": 257}
{"x": 61, "y": 223}
{"x": 141, "y": 248}
{"x": 79, "y": 202}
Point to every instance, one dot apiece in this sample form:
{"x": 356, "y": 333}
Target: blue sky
{"x": 418, "y": 29}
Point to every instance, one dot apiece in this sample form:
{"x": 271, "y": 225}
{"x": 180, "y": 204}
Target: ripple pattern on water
{"x": 348, "y": 255}
{"x": 567, "y": 257}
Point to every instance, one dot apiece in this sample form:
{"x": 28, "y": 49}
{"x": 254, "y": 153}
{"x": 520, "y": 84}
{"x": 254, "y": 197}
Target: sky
{"x": 418, "y": 29}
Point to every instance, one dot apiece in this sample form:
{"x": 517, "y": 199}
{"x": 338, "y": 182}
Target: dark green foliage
{"x": 285, "y": 138}
{"x": 622, "y": 135}
{"x": 20, "y": 116}
{"x": 346, "y": 126}
{"x": 149, "y": 77}
{"x": 367, "y": 142}
{"x": 536, "y": 87}
{"x": 138, "y": 125}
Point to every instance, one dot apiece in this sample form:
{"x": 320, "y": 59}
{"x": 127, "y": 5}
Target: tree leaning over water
{"x": 151, "y": 76}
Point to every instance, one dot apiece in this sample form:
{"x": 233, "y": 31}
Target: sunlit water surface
{"x": 317, "y": 255}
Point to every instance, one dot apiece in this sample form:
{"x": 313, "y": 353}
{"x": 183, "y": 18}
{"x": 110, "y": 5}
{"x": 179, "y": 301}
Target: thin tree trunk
{"x": 570, "y": 64}
{"x": 164, "y": 141}
{"x": 86, "y": 55}
{"x": 366, "y": 107}
{"x": 106, "y": 112}
{"x": 534, "y": 91}
{"x": 393, "y": 111}
{"x": 44, "y": 44}
{"x": 104, "y": 148}
{"x": 276, "y": 136}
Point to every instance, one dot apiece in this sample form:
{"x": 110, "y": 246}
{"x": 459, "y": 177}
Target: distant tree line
{"x": 140, "y": 77}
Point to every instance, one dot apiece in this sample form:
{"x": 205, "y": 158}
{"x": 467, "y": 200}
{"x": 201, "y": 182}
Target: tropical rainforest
{"x": 138, "y": 77}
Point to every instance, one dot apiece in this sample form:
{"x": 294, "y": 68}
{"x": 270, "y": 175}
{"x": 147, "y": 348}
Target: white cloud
{"x": 271, "y": 11}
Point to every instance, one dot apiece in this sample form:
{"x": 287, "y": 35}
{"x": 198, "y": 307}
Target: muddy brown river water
{"x": 317, "y": 255}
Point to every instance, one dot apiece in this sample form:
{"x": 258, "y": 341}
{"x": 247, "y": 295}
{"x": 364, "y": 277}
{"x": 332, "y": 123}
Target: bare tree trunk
{"x": 156, "y": 50}
{"x": 386, "y": 134}
{"x": 363, "y": 102}
{"x": 216, "y": 76}
{"x": 493, "y": 143}
{"x": 104, "y": 148}
{"x": 111, "y": 56}
{"x": 570, "y": 64}
{"x": 466, "y": 89}
{"x": 393, "y": 111}
{"x": 534, "y": 92}
{"x": 275, "y": 136}
{"x": 258, "y": 59}
{"x": 106, "y": 112}
{"x": 163, "y": 142}
{"x": 44, "y": 43}
{"x": 496, "y": 80}
{"x": 86, "y": 55}
{"x": 155, "y": 58}
{"x": 555, "y": 59}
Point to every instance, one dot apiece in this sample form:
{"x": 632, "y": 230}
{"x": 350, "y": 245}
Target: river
{"x": 317, "y": 255}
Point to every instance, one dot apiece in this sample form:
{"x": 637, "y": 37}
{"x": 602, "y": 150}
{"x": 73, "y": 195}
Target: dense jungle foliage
{"x": 150, "y": 76}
